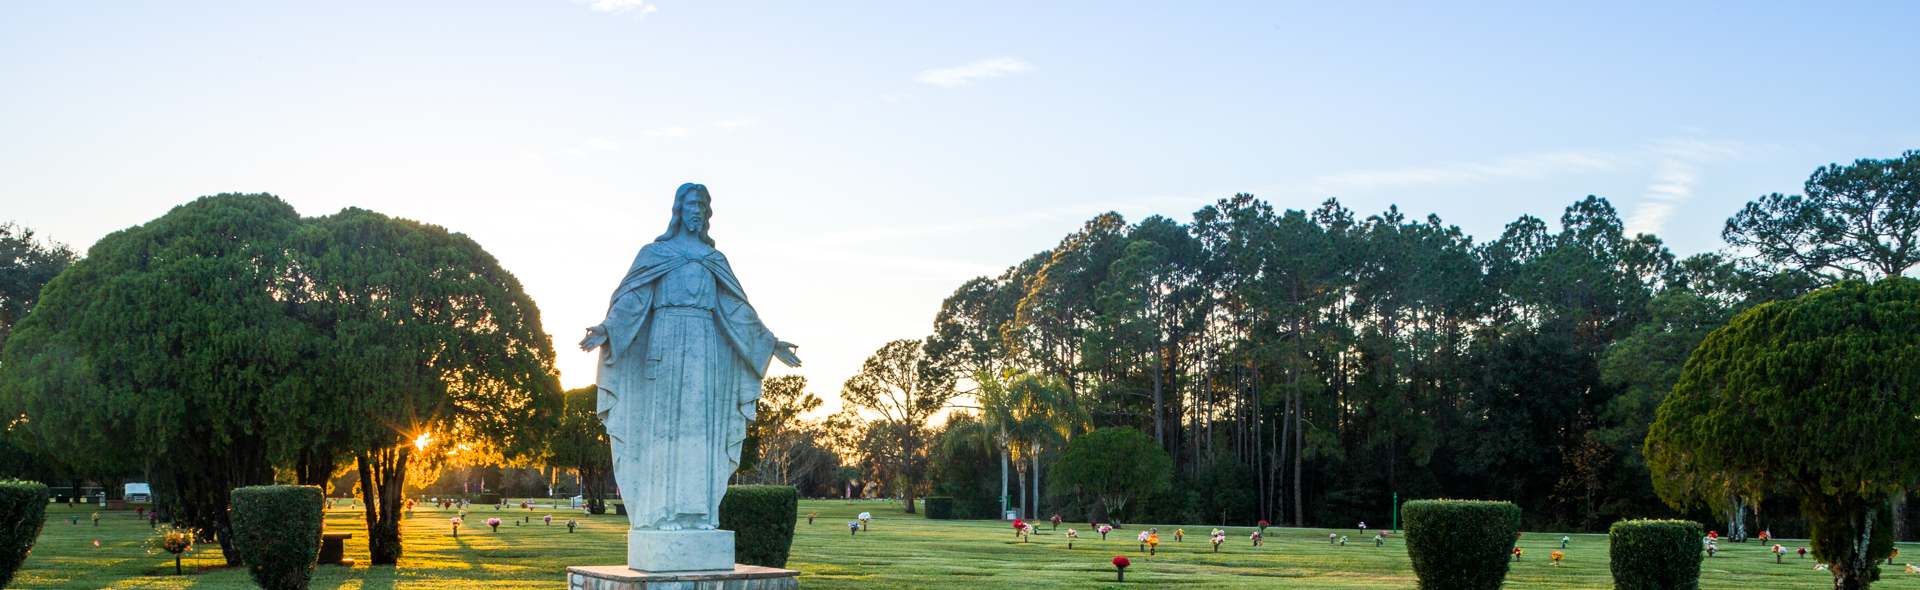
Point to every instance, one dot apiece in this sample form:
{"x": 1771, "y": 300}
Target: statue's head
{"x": 692, "y": 210}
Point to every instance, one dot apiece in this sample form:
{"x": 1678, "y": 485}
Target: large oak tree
{"x": 231, "y": 336}
{"x": 1814, "y": 397}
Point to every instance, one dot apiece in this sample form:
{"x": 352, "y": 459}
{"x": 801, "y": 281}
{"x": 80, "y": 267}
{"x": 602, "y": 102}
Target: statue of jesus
{"x": 682, "y": 354}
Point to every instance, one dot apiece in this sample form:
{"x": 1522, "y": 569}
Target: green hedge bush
{"x": 1655, "y": 554}
{"x": 486, "y": 498}
{"x": 276, "y": 531}
{"x": 1460, "y": 544}
{"x": 23, "y": 512}
{"x": 761, "y": 518}
{"x": 939, "y": 508}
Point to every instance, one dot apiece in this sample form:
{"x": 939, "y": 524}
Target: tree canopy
{"x": 231, "y": 336}
{"x": 1816, "y": 397}
{"x": 1114, "y": 464}
{"x": 1855, "y": 221}
{"x": 903, "y": 389}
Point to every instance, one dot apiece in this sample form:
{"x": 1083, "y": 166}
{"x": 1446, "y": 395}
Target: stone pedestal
{"x": 741, "y": 577}
{"x": 680, "y": 551}
{"x": 333, "y": 548}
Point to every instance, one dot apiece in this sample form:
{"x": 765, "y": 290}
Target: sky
{"x": 866, "y": 158}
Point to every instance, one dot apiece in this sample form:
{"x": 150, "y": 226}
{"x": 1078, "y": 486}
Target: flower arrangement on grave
{"x": 1071, "y": 535}
{"x": 864, "y": 517}
{"x": 1379, "y": 539}
{"x": 1803, "y": 553}
{"x": 1564, "y": 541}
{"x": 812, "y": 515}
{"x": 1153, "y": 542}
{"x": 1363, "y": 526}
{"x": 1142, "y": 538}
{"x": 1019, "y": 527}
{"x": 548, "y": 519}
{"x": 1820, "y": 568}
{"x": 96, "y": 519}
{"x": 1179, "y": 534}
{"x": 1712, "y": 549}
{"x": 1912, "y": 570}
{"x": 1332, "y": 538}
{"x": 853, "y": 527}
{"x": 1056, "y": 522}
{"x": 1516, "y": 554}
{"x": 1343, "y": 540}
{"x": 1255, "y": 537}
{"x": 1263, "y": 526}
{"x": 1765, "y": 536}
{"x": 1890, "y": 556}
{"x": 176, "y": 543}
{"x": 456, "y": 526}
{"x": 1104, "y": 529}
{"x": 495, "y": 523}
{"x": 153, "y": 519}
{"x": 1219, "y": 536}
{"x": 1778, "y": 553}
{"x": 1120, "y": 563}
{"x": 570, "y": 524}
{"x": 1713, "y": 535}
{"x": 1556, "y": 557}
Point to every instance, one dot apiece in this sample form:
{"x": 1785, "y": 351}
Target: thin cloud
{"x": 1672, "y": 184}
{"x": 964, "y": 74}
{"x": 735, "y": 123}
{"x": 639, "y": 8}
{"x": 601, "y": 144}
{"x": 670, "y": 132}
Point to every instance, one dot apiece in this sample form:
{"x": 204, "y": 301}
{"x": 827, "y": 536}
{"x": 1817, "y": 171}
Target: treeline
{"x": 1307, "y": 367}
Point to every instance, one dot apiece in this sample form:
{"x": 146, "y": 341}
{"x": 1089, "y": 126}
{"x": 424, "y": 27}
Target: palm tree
{"x": 1020, "y": 413}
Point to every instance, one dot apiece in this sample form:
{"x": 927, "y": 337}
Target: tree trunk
{"x": 1020, "y": 477}
{"x": 1036, "y": 481}
{"x": 1737, "y": 521}
{"x": 315, "y": 468}
{"x": 383, "y": 479}
{"x": 1901, "y": 534}
{"x": 906, "y": 492}
{"x": 1159, "y": 433}
{"x": 1004, "y": 460}
{"x": 1857, "y": 570}
{"x": 1299, "y": 407}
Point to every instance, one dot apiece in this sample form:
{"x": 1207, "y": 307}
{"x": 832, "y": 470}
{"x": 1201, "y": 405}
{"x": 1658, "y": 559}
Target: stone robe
{"x": 678, "y": 379}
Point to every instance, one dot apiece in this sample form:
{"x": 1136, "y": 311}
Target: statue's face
{"x": 693, "y": 215}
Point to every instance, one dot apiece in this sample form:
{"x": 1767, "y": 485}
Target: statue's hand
{"x": 596, "y": 336}
{"x": 784, "y": 351}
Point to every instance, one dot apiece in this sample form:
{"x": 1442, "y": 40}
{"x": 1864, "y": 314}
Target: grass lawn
{"x": 898, "y": 551}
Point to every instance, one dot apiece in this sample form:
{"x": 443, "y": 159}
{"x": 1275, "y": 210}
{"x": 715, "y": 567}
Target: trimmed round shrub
{"x": 939, "y": 508}
{"x": 1655, "y": 554}
{"x": 1460, "y": 544}
{"x": 761, "y": 518}
{"x": 276, "y": 531}
{"x": 23, "y": 512}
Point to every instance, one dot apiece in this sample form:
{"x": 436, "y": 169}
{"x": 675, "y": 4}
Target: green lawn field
{"x": 898, "y": 551}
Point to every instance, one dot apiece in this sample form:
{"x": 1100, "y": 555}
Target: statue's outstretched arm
{"x": 784, "y": 351}
{"x": 595, "y": 337}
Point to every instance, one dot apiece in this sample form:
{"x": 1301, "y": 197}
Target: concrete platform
{"x": 743, "y": 577}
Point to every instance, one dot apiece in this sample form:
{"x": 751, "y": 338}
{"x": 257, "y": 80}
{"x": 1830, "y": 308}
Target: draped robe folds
{"x": 678, "y": 378}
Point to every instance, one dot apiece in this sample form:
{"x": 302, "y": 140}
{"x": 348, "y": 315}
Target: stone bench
{"x": 333, "y": 549}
